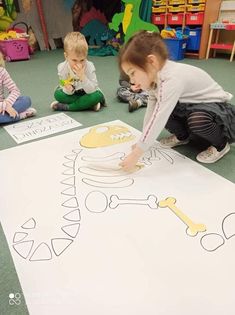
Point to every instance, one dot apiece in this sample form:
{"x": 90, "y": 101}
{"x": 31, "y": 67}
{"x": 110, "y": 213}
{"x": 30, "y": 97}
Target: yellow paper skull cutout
{"x": 102, "y": 136}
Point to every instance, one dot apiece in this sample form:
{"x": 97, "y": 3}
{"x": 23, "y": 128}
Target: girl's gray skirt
{"x": 223, "y": 113}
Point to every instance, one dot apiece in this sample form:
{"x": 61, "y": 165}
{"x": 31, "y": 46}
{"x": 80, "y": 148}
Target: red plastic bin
{"x": 230, "y": 27}
{"x": 194, "y": 18}
{"x": 15, "y": 49}
{"x": 175, "y": 19}
{"x": 158, "y": 19}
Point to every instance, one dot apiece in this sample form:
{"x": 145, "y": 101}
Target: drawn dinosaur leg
{"x": 193, "y": 228}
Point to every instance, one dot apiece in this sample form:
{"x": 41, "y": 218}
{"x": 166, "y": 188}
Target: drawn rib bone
{"x": 114, "y": 156}
{"x": 101, "y": 171}
{"x": 193, "y": 228}
{"x": 151, "y": 202}
{"x": 119, "y": 184}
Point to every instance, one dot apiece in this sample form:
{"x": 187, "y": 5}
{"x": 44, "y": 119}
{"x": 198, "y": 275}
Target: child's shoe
{"x": 135, "y": 103}
{"x": 103, "y": 103}
{"x": 59, "y": 106}
{"x": 172, "y": 141}
{"x": 211, "y": 155}
{"x": 96, "y": 107}
{"x": 30, "y": 112}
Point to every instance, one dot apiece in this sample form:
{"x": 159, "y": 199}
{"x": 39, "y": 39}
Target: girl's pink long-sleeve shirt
{"x": 6, "y": 83}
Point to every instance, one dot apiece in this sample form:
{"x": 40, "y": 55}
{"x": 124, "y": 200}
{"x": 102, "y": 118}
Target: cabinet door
{"x": 211, "y": 15}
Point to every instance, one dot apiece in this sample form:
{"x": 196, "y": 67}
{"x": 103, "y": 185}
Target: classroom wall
{"x": 58, "y": 20}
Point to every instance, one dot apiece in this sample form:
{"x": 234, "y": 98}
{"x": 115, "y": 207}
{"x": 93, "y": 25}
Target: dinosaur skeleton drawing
{"x": 115, "y": 242}
{"x": 96, "y": 174}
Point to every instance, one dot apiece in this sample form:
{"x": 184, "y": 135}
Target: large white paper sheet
{"x": 87, "y": 238}
{"x": 40, "y": 127}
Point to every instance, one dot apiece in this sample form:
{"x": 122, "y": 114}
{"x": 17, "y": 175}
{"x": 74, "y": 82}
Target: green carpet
{"x": 38, "y": 79}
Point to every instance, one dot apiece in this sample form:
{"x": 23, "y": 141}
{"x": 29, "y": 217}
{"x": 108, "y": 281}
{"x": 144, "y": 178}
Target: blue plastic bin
{"x": 194, "y": 38}
{"x": 176, "y": 47}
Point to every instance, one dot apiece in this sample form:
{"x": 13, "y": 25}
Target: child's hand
{"x": 69, "y": 87}
{"x": 79, "y": 69}
{"x": 135, "y": 88}
{"x": 11, "y": 112}
{"x": 129, "y": 163}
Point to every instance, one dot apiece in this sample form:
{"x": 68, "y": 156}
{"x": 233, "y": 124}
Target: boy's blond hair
{"x": 75, "y": 41}
{"x": 2, "y": 61}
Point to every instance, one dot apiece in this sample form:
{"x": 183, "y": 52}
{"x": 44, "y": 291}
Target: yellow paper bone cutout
{"x": 105, "y": 135}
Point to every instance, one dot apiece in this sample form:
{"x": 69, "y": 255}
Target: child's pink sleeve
{"x": 10, "y": 85}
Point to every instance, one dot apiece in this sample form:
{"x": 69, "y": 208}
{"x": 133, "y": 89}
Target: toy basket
{"x": 175, "y": 19}
{"x": 196, "y": 8}
{"x": 173, "y": 2}
{"x": 159, "y": 2}
{"x": 179, "y": 8}
{"x": 196, "y": 1}
{"x": 194, "y": 18}
{"x": 16, "y": 49}
{"x": 158, "y": 10}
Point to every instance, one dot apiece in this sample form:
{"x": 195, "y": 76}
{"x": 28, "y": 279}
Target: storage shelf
{"x": 222, "y": 46}
{"x": 193, "y": 19}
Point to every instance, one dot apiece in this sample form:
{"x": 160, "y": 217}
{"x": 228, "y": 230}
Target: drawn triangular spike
{"x": 69, "y": 171}
{"x": 19, "y": 236}
{"x": 77, "y": 151}
{"x": 71, "y": 229}
{"x": 69, "y": 164}
{"x": 59, "y": 245}
{"x": 228, "y": 225}
{"x": 73, "y": 215}
{"x": 71, "y": 203}
{"x": 166, "y": 156}
{"x": 42, "y": 252}
{"x": 24, "y": 248}
{"x": 71, "y": 191}
{"x": 30, "y": 224}
{"x": 69, "y": 181}
{"x": 71, "y": 157}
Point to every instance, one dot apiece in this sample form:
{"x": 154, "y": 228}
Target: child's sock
{"x": 30, "y": 112}
{"x": 59, "y": 106}
{"x": 96, "y": 107}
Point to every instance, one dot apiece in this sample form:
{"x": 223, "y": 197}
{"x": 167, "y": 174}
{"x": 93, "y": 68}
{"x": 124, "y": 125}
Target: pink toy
{"x": 15, "y": 49}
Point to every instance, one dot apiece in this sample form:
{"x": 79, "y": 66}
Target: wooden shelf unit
{"x": 225, "y": 23}
{"x": 211, "y": 13}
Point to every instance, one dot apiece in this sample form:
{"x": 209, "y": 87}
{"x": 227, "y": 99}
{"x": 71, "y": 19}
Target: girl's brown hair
{"x": 139, "y": 46}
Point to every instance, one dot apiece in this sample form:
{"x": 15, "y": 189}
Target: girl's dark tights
{"x": 199, "y": 123}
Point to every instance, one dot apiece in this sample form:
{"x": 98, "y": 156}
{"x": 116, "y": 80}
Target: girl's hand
{"x": 11, "y": 112}
{"x": 129, "y": 163}
{"x": 133, "y": 146}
